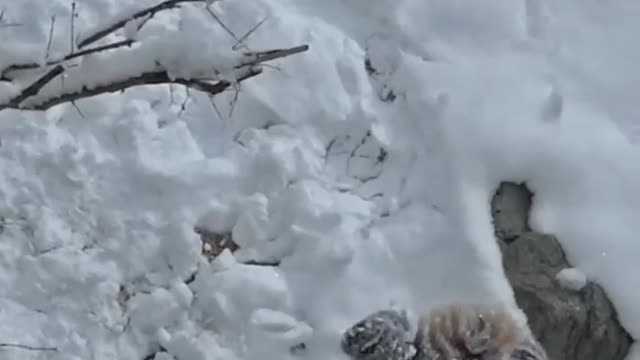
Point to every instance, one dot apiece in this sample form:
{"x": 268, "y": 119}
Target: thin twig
{"x": 235, "y": 99}
{"x": 240, "y": 42}
{"x": 225, "y": 27}
{"x": 183, "y": 107}
{"x": 144, "y": 21}
{"x": 10, "y": 25}
{"x": 73, "y": 22}
{"x": 149, "y": 78}
{"x": 215, "y": 108}
{"x": 262, "y": 56}
{"x": 75, "y": 106}
{"x": 171, "y": 94}
{"x": 67, "y": 57}
{"x": 27, "y": 347}
{"x": 53, "y": 23}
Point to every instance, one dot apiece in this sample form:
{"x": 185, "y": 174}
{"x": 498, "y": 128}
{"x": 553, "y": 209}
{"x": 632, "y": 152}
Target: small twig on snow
{"x": 73, "y": 23}
{"x": 240, "y": 42}
{"x": 27, "y": 347}
{"x": 149, "y": 78}
{"x": 75, "y": 106}
{"x": 262, "y": 56}
{"x": 67, "y": 57}
{"x": 225, "y": 27}
{"x": 53, "y": 23}
{"x": 232, "y": 105}
{"x": 183, "y": 107}
{"x": 215, "y": 108}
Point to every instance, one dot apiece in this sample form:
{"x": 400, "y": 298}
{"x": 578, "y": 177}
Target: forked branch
{"x": 42, "y": 94}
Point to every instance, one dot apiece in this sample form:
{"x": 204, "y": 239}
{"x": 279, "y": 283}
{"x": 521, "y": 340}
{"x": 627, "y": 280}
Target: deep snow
{"x": 367, "y": 203}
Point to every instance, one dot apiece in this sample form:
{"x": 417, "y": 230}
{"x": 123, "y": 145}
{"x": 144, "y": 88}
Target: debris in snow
{"x": 213, "y": 244}
{"x": 572, "y": 278}
{"x": 552, "y": 108}
{"x": 382, "y": 335}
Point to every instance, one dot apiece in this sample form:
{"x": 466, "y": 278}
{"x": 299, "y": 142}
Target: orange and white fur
{"x": 474, "y": 331}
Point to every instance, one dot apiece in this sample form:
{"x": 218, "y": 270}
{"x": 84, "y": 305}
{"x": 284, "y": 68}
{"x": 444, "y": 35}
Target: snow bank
{"x": 366, "y": 199}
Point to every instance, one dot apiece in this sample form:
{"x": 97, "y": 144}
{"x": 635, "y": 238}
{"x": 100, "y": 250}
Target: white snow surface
{"x": 571, "y": 278}
{"x": 366, "y": 203}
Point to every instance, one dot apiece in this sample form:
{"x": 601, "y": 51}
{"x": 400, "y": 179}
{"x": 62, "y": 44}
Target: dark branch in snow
{"x": 33, "y": 88}
{"x": 149, "y": 12}
{"x": 37, "y": 97}
{"x": 51, "y": 28}
{"x": 73, "y": 27}
{"x": 264, "y": 56}
{"x": 183, "y": 106}
{"x": 248, "y": 69}
{"x": 240, "y": 42}
{"x": 152, "y": 355}
{"x": 149, "y": 78}
{"x": 222, "y": 24}
{"x": 262, "y": 263}
{"x": 67, "y": 57}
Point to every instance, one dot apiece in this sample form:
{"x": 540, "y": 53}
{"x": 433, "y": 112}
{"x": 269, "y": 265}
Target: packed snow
{"x": 364, "y": 167}
{"x": 571, "y": 278}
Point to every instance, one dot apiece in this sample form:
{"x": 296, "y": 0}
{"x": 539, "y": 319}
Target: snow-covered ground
{"x": 367, "y": 202}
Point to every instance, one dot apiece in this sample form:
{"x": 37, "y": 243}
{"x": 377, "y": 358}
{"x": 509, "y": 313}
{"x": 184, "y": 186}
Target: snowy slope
{"x": 367, "y": 203}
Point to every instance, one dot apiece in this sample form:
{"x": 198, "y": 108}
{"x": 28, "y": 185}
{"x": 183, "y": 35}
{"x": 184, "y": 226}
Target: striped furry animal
{"x": 449, "y": 332}
{"x": 475, "y": 331}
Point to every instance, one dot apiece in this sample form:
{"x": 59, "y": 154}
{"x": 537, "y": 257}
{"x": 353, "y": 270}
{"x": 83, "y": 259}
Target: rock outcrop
{"x": 570, "y": 324}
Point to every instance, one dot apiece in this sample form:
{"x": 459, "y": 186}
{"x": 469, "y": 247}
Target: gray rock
{"x": 382, "y": 335}
{"x": 571, "y": 325}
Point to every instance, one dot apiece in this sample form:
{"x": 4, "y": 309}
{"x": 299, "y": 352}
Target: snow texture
{"x": 572, "y": 278}
{"x": 364, "y": 167}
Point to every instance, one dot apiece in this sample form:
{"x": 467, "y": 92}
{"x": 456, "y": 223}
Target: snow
{"x": 368, "y": 200}
{"x": 571, "y": 278}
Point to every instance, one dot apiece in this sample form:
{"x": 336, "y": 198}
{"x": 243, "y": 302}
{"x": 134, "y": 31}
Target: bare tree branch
{"x": 165, "y": 5}
{"x": 262, "y": 56}
{"x": 248, "y": 68}
{"x": 33, "y": 88}
{"x": 42, "y": 95}
{"x": 115, "y": 45}
{"x": 149, "y": 78}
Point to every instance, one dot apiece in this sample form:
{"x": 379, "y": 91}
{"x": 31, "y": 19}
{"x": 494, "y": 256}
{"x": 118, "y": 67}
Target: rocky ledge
{"x": 571, "y": 323}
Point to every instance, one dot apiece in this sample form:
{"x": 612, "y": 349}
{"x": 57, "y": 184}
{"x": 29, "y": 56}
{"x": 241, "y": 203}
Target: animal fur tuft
{"x": 471, "y": 331}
